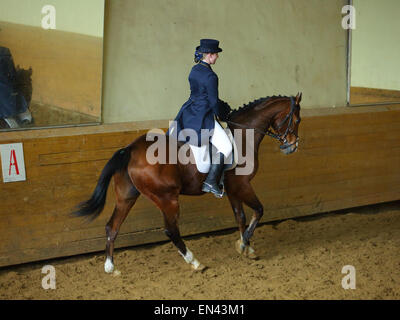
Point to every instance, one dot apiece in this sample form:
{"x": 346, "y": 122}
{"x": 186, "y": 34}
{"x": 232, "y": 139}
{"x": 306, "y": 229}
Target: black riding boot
{"x": 211, "y": 182}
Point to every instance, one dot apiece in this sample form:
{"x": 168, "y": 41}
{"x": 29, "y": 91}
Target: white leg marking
{"x": 253, "y": 221}
{"x": 243, "y": 249}
{"x": 108, "y": 265}
{"x": 189, "y": 258}
{"x": 250, "y": 250}
{"x": 242, "y": 246}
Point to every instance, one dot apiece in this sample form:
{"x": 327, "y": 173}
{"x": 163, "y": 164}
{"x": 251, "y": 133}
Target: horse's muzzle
{"x": 288, "y": 148}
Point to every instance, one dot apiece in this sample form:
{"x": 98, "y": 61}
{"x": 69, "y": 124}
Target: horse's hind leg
{"x": 126, "y": 196}
{"x": 170, "y": 209}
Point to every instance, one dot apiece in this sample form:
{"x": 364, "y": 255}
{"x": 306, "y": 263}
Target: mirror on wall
{"x": 375, "y": 64}
{"x": 51, "y": 55}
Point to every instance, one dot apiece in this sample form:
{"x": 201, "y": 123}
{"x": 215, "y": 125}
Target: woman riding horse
{"x": 163, "y": 183}
{"x": 200, "y": 112}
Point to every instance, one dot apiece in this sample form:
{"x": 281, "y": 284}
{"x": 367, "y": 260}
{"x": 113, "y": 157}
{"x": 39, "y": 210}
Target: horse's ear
{"x": 298, "y": 97}
{"x": 30, "y": 71}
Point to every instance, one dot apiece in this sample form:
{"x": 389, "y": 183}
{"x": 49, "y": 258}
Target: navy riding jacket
{"x": 198, "y": 111}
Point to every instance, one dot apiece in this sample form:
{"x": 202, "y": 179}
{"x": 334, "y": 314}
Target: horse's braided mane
{"x": 252, "y": 104}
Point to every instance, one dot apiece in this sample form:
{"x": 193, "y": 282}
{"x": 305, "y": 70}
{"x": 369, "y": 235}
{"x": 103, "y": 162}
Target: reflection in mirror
{"x": 51, "y": 55}
{"x": 375, "y": 63}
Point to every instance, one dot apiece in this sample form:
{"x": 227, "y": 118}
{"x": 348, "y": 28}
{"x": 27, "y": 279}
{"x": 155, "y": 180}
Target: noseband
{"x": 280, "y": 138}
{"x": 289, "y": 129}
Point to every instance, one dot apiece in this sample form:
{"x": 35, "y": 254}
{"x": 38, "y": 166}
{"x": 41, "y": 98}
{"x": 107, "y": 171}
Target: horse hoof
{"x": 239, "y": 247}
{"x": 246, "y": 251}
{"x": 200, "y": 268}
{"x": 252, "y": 256}
{"x": 116, "y": 273}
{"x": 108, "y": 266}
{"x": 249, "y": 253}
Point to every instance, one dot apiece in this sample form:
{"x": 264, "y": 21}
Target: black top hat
{"x": 209, "y": 46}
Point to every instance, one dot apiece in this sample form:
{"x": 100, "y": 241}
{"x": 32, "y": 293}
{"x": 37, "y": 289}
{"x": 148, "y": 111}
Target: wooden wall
{"x": 347, "y": 157}
{"x": 360, "y": 95}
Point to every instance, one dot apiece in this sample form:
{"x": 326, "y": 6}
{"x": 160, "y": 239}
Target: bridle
{"x": 281, "y": 138}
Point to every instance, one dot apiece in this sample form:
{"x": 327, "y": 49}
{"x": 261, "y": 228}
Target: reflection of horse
{"x": 24, "y": 83}
{"x": 15, "y": 92}
{"x": 162, "y": 183}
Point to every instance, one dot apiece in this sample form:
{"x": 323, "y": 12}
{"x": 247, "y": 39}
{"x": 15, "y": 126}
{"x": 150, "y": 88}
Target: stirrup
{"x": 209, "y": 188}
{"x": 11, "y": 123}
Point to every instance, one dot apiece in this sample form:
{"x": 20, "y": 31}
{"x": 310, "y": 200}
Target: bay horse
{"x": 163, "y": 183}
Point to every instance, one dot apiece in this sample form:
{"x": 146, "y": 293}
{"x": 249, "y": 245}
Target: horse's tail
{"x": 95, "y": 205}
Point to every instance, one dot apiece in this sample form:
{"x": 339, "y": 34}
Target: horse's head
{"x": 286, "y": 124}
{"x": 282, "y": 114}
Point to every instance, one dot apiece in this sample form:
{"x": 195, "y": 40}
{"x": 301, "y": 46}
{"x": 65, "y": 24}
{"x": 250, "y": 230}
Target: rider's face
{"x": 212, "y": 57}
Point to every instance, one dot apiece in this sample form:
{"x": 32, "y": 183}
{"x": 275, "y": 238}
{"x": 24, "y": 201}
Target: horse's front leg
{"x": 258, "y": 213}
{"x": 247, "y": 196}
{"x": 240, "y": 217}
{"x": 243, "y": 244}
